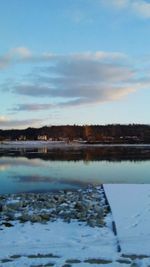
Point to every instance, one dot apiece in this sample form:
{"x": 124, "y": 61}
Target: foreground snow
{"x": 58, "y": 240}
{"x": 62, "y": 244}
{"x": 130, "y": 206}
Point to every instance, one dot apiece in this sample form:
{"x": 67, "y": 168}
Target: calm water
{"x": 38, "y": 170}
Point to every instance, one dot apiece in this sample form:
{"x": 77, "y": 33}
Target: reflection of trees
{"x": 88, "y": 156}
{"x": 86, "y": 162}
{"x": 43, "y": 150}
{"x": 85, "y": 153}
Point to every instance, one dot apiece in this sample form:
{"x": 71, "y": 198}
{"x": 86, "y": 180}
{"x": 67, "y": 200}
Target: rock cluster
{"x": 86, "y": 205}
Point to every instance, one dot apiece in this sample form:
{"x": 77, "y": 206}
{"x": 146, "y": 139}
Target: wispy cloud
{"x": 25, "y": 55}
{"x": 32, "y": 107}
{"x": 79, "y": 79}
{"x": 22, "y": 55}
{"x": 75, "y": 79}
{"x": 116, "y": 3}
{"x": 3, "y": 118}
{"x": 138, "y": 7}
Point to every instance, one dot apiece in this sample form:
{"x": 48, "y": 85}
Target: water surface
{"x": 40, "y": 170}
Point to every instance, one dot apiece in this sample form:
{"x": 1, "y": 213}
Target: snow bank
{"x": 131, "y": 211}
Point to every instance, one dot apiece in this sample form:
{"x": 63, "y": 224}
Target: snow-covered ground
{"x": 62, "y": 244}
{"x": 55, "y": 242}
{"x": 130, "y": 206}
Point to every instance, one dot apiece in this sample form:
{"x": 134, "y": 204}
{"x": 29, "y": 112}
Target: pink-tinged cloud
{"x": 76, "y": 79}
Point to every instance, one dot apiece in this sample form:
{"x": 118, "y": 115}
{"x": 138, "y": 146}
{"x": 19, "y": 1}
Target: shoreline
{"x": 62, "y": 144}
{"x": 84, "y": 205}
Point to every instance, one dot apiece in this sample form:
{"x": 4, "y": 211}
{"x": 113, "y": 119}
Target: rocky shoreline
{"x": 85, "y": 205}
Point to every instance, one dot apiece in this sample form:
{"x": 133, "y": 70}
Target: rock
{"x": 6, "y": 260}
{"x": 99, "y": 210}
{"x": 97, "y": 261}
{"x": 7, "y": 224}
{"x": 16, "y": 256}
{"x": 4, "y": 208}
{"x": 83, "y": 205}
{"x": 14, "y": 205}
{"x": 35, "y": 218}
{"x": 91, "y": 223}
{"x": 100, "y": 222}
{"x": 78, "y": 206}
{"x": 10, "y": 215}
{"x": 73, "y": 261}
{"x": 48, "y": 205}
{"x": 124, "y": 261}
{"x": 81, "y": 216}
{"x": 67, "y": 220}
{"x": 45, "y": 216}
{"x": 24, "y": 218}
{"x": 1, "y": 207}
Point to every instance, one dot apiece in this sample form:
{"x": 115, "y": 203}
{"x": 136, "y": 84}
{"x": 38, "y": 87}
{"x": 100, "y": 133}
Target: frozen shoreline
{"x": 62, "y": 144}
{"x": 84, "y": 205}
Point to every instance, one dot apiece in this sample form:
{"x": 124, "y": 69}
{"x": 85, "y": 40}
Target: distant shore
{"x": 63, "y": 144}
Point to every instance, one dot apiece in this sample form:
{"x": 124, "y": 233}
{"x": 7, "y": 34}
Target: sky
{"x": 74, "y": 62}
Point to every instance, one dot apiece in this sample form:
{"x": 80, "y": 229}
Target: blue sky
{"x": 74, "y": 62}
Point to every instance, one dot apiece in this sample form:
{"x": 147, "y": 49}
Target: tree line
{"x": 132, "y": 133}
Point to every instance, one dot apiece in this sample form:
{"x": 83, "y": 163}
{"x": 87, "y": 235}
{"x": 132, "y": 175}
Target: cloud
{"x": 116, "y": 3}
{"x": 18, "y": 53}
{"x": 139, "y": 7}
{"x": 4, "y": 61}
{"x": 79, "y": 79}
{"x": 6, "y": 123}
{"x": 22, "y": 55}
{"x": 22, "y": 52}
{"x": 142, "y": 8}
{"x": 3, "y": 118}
{"x": 32, "y": 107}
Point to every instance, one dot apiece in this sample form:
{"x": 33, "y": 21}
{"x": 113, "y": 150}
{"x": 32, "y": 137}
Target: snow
{"x": 66, "y": 241}
{"x": 130, "y": 206}
{"x": 55, "y": 243}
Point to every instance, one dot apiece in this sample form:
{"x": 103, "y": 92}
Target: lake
{"x": 42, "y": 169}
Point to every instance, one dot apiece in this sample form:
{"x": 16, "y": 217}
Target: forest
{"x": 115, "y": 133}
